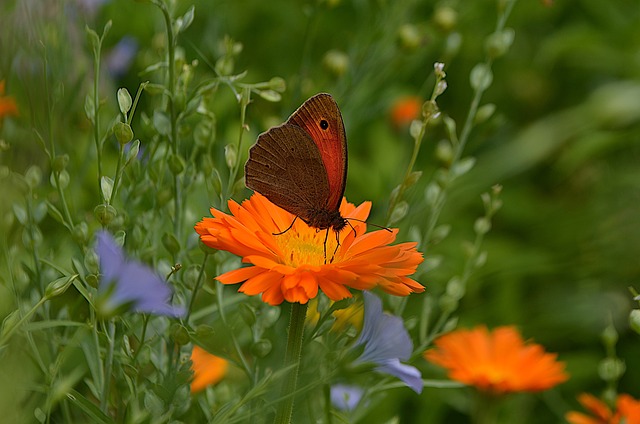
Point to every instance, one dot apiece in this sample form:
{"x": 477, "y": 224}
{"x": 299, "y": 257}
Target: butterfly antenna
{"x": 368, "y": 223}
{"x": 288, "y": 228}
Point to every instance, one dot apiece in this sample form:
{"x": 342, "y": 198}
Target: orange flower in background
{"x": 291, "y": 266}
{"x": 8, "y": 105}
{"x": 207, "y": 369}
{"x": 405, "y": 110}
{"x": 627, "y": 411}
{"x": 497, "y": 362}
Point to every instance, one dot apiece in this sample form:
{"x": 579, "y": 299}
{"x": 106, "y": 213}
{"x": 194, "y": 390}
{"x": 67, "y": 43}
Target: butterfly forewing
{"x": 286, "y": 167}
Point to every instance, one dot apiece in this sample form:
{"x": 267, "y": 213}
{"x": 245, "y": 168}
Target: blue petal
{"x": 411, "y": 376}
{"x": 111, "y": 258}
{"x": 132, "y": 282}
{"x": 386, "y": 342}
{"x": 384, "y": 335}
{"x": 345, "y": 398}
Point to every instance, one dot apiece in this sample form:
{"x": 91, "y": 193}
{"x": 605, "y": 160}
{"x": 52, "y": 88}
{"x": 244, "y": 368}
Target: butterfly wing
{"x": 321, "y": 119}
{"x": 285, "y": 166}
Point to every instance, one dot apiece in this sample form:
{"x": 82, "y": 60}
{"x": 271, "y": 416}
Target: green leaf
{"x": 54, "y": 212}
{"x": 21, "y": 214}
{"x": 187, "y": 19}
{"x": 93, "y": 412}
{"x": 399, "y": 212}
{"x": 161, "y": 122}
{"x": 462, "y": 166}
{"x": 93, "y": 38}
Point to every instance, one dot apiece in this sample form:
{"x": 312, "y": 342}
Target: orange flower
{"x": 405, "y": 110}
{"x": 497, "y": 362}
{"x": 7, "y": 104}
{"x": 207, "y": 369}
{"x": 291, "y": 266}
{"x": 627, "y": 408}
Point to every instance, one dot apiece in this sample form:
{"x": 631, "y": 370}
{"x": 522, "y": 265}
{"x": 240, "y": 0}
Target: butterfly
{"x": 301, "y": 165}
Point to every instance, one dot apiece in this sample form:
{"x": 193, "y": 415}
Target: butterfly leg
{"x": 326, "y": 237}
{"x": 337, "y": 245}
{"x": 288, "y": 228}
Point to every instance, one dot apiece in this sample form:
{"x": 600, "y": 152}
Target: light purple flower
{"x": 121, "y": 57}
{"x": 386, "y": 342}
{"x": 131, "y": 283}
{"x": 344, "y": 397}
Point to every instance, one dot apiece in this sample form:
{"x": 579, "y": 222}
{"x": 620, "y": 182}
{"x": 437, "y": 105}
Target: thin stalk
{"x": 96, "y": 109}
{"x": 106, "y": 386}
{"x": 197, "y": 287}
{"x": 292, "y": 359}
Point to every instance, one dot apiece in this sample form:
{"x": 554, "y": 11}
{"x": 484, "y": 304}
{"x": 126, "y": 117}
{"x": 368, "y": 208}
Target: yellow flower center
{"x": 307, "y": 247}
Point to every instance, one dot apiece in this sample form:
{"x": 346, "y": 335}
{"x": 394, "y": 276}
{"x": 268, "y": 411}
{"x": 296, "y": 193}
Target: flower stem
{"x": 292, "y": 359}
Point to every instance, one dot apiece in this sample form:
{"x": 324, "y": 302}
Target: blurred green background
{"x": 564, "y": 141}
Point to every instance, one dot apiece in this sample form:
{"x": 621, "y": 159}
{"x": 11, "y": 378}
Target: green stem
{"x": 96, "y": 111}
{"x": 292, "y": 360}
{"x": 197, "y": 287}
{"x": 104, "y": 404}
{"x": 116, "y": 180}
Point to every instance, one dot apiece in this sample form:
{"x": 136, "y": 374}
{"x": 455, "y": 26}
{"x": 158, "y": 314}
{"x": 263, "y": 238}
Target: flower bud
{"x": 60, "y": 163}
{"x": 33, "y": 176}
{"x": 409, "y": 37}
{"x": 261, "y": 348}
{"x": 123, "y": 132}
{"x": 176, "y": 164}
{"x": 336, "y": 62}
{"x": 58, "y": 287}
{"x": 179, "y": 334}
{"x": 445, "y": 18}
{"x": 171, "y": 243}
{"x": 104, "y": 214}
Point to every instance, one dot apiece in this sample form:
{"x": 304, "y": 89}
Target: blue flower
{"x": 345, "y": 398}
{"x": 386, "y": 342}
{"x": 130, "y": 283}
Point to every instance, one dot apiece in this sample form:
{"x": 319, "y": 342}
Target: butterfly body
{"x": 301, "y": 165}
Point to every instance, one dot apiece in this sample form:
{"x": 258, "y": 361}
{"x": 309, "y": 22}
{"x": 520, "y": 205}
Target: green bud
{"x": 179, "y": 334}
{"x": 176, "y": 164}
{"x": 104, "y": 214}
{"x": 484, "y": 113}
{"x": 33, "y": 176}
{"x": 634, "y": 320}
{"x": 92, "y": 280}
{"x": 231, "y": 155}
{"x": 455, "y": 288}
{"x": 81, "y": 233}
{"x": 248, "y": 314}
{"x": 204, "y": 331}
{"x": 498, "y": 43}
{"x": 163, "y": 196}
{"x": 444, "y": 152}
{"x": 409, "y": 37}
{"x": 609, "y": 336}
{"x": 277, "y": 84}
{"x": 399, "y": 211}
{"x": 261, "y": 348}
{"x": 123, "y": 132}
{"x": 91, "y": 261}
{"x": 445, "y": 18}
{"x": 60, "y": 163}
{"x": 190, "y": 275}
{"x": 482, "y": 225}
{"x": 481, "y": 77}
{"x": 336, "y": 62}
{"x": 124, "y": 100}
{"x": 611, "y": 369}
{"x": 171, "y": 243}
{"x": 58, "y": 287}
{"x": 430, "y": 109}
{"x": 448, "y": 303}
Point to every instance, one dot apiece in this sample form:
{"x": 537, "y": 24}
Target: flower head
{"x": 207, "y": 369}
{"x": 386, "y": 342}
{"x": 127, "y": 282}
{"x": 291, "y": 266}
{"x": 7, "y": 104}
{"x": 405, "y": 110}
{"x": 627, "y": 411}
{"x": 497, "y": 362}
